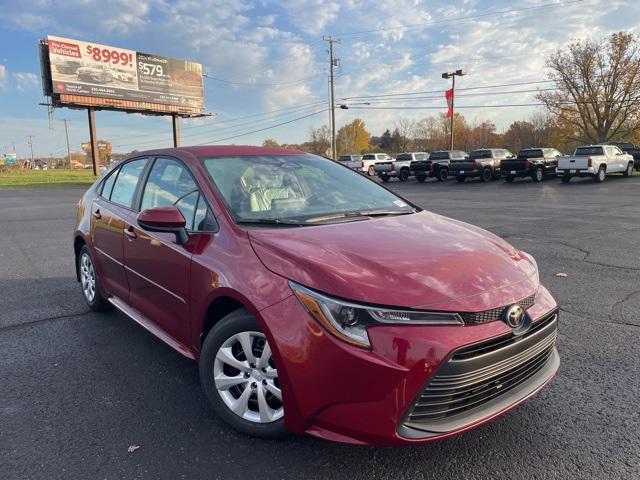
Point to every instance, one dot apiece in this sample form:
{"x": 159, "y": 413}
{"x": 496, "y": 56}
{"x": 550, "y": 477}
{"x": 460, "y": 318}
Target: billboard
{"x": 90, "y": 74}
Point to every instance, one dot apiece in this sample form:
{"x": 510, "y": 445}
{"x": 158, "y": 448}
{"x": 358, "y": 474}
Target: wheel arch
{"x": 78, "y": 243}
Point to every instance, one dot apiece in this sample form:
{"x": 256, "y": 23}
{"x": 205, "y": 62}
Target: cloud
{"x": 3, "y": 77}
{"x": 25, "y": 80}
{"x": 311, "y": 16}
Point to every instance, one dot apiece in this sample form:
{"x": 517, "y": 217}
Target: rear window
{"x": 530, "y": 153}
{"x": 344, "y": 158}
{"x": 586, "y": 151}
{"x": 369, "y": 157}
{"x": 404, "y": 156}
{"x": 480, "y": 154}
{"x": 439, "y": 156}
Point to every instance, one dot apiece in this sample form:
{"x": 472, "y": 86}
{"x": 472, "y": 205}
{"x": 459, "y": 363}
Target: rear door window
{"x": 124, "y": 187}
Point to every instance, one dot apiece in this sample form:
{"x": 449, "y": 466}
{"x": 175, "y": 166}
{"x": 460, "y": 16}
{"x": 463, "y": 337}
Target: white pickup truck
{"x": 595, "y": 161}
{"x": 369, "y": 161}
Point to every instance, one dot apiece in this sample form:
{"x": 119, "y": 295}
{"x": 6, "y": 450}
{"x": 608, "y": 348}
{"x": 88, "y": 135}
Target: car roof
{"x": 211, "y": 151}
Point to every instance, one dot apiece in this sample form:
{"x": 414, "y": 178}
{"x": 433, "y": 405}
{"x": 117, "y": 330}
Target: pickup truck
{"x": 595, "y": 161}
{"x": 400, "y": 166}
{"x": 484, "y": 163}
{"x": 631, "y": 149}
{"x": 369, "y": 160}
{"x": 354, "y": 162}
{"x": 531, "y": 162}
{"x": 437, "y": 165}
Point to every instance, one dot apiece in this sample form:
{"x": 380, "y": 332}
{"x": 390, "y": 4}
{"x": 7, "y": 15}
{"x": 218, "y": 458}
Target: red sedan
{"x": 314, "y": 299}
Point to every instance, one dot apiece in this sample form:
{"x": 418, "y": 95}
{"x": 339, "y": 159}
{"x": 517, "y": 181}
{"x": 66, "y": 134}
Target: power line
{"x": 439, "y": 97}
{"x": 463, "y": 19}
{"x": 263, "y": 129}
{"x": 421, "y": 107}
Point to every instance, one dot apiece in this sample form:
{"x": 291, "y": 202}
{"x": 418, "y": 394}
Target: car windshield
{"x": 530, "y": 153}
{"x": 480, "y": 154}
{"x": 586, "y": 151}
{"x": 439, "y": 156}
{"x": 299, "y": 189}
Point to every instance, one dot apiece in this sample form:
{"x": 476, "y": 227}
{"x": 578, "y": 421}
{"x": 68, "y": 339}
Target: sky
{"x": 266, "y": 62}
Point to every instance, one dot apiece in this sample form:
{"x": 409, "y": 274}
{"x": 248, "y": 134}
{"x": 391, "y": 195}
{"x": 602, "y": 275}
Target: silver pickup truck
{"x": 595, "y": 161}
{"x": 400, "y": 166}
{"x": 354, "y": 162}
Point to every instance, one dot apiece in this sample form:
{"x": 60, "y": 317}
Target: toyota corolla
{"x": 314, "y": 299}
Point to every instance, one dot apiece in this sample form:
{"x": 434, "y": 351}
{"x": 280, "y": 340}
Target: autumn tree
{"x": 519, "y": 135}
{"x": 597, "y": 88}
{"x": 320, "y": 142}
{"x": 353, "y": 138}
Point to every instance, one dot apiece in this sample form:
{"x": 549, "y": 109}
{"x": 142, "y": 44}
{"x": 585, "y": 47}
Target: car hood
{"x": 422, "y": 260}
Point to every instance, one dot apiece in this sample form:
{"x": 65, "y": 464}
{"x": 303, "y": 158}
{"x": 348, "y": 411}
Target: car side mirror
{"x": 165, "y": 219}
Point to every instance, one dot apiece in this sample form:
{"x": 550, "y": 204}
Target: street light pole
{"x": 452, "y": 75}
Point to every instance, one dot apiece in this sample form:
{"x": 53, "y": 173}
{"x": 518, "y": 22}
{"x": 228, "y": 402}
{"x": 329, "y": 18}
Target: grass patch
{"x": 45, "y": 178}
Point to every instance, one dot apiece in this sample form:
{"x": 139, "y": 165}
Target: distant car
{"x": 400, "y": 166}
{"x": 437, "y": 165}
{"x": 96, "y": 74}
{"x": 68, "y": 67}
{"x": 102, "y": 169}
{"x": 531, "y": 162}
{"x": 631, "y": 149}
{"x": 369, "y": 161}
{"x": 354, "y": 162}
{"x": 595, "y": 161}
{"x": 124, "y": 77}
{"x": 484, "y": 163}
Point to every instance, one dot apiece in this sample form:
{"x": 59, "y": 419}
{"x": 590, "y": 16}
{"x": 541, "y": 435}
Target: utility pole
{"x": 333, "y": 62}
{"x": 66, "y": 132}
{"x": 452, "y": 75}
{"x": 30, "y": 143}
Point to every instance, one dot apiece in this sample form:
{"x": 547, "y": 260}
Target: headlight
{"x": 349, "y": 321}
{"x": 535, "y": 264}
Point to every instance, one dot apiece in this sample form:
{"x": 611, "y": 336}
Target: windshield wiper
{"x": 358, "y": 214}
{"x": 271, "y": 221}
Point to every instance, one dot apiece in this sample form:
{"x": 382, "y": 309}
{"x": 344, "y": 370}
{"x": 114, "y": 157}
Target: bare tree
{"x": 406, "y": 128}
{"x": 320, "y": 140}
{"x": 598, "y": 88}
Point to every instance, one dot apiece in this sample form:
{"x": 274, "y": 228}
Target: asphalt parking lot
{"x": 78, "y": 388}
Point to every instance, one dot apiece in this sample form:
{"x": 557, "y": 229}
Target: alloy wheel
{"x": 246, "y": 378}
{"x": 87, "y": 277}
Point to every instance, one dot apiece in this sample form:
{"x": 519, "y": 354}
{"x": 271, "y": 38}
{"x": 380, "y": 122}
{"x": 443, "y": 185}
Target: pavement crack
{"x": 16, "y": 326}
{"x": 615, "y": 308}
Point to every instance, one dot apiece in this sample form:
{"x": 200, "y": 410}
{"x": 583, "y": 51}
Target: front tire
{"x": 565, "y": 178}
{"x": 460, "y": 178}
{"x": 421, "y": 178}
{"x": 384, "y": 178}
{"x": 538, "y": 175}
{"x": 89, "y": 281}
{"x": 239, "y": 377}
{"x": 509, "y": 179}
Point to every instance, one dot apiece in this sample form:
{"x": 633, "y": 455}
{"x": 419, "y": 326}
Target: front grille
{"x": 467, "y": 383}
{"x": 494, "y": 314}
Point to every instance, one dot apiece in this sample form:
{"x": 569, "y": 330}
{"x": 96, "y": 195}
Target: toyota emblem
{"x": 515, "y": 316}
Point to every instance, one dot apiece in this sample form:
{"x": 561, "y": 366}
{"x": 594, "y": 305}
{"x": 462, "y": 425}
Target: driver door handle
{"x": 97, "y": 214}
{"x": 130, "y": 233}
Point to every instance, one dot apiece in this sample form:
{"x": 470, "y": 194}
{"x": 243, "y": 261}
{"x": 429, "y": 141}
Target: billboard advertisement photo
{"x": 83, "y": 69}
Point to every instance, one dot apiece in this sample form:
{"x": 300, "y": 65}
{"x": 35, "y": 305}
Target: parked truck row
{"x": 486, "y": 164}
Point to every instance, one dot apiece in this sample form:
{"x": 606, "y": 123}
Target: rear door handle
{"x": 130, "y": 233}
{"x": 97, "y": 214}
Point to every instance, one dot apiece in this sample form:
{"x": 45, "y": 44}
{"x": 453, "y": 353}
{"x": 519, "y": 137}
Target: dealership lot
{"x": 78, "y": 388}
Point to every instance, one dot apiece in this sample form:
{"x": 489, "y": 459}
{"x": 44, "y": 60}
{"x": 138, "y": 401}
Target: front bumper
{"x": 347, "y": 394}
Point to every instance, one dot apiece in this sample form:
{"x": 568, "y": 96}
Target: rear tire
{"x": 230, "y": 381}
{"x": 371, "y": 171}
{"x": 443, "y": 175}
{"x": 89, "y": 281}
{"x": 403, "y": 175}
{"x": 460, "y": 178}
{"x": 384, "y": 178}
{"x": 486, "y": 175}
{"x": 601, "y": 176}
{"x": 629, "y": 171}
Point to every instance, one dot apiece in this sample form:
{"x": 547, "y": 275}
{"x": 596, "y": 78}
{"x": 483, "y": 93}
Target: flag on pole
{"x": 448, "y": 94}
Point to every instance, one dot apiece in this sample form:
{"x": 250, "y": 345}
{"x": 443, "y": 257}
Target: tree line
{"x": 596, "y": 99}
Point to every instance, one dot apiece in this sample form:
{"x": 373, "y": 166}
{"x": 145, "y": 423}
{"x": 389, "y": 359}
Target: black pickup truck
{"x": 632, "y": 150}
{"x": 484, "y": 163}
{"x": 531, "y": 162}
{"x": 437, "y": 165}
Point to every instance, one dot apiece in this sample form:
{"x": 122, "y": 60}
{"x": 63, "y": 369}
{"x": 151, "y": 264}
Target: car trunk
{"x": 573, "y": 163}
